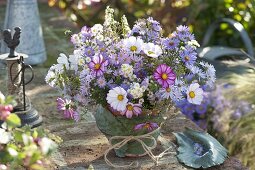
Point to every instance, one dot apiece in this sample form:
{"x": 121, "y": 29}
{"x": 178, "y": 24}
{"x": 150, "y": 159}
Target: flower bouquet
{"x": 134, "y": 75}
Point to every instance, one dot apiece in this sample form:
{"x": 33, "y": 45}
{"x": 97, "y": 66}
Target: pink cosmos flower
{"x": 164, "y": 75}
{"x": 132, "y": 109}
{"x": 148, "y": 125}
{"x": 98, "y": 65}
{"x": 65, "y": 105}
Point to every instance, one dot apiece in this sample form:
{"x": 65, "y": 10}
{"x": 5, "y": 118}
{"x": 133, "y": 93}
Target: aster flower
{"x": 201, "y": 109}
{"x": 89, "y": 52}
{"x": 170, "y": 43}
{"x": 150, "y": 126}
{"x": 65, "y": 106}
{"x": 184, "y": 34}
{"x": 133, "y": 44}
{"x": 164, "y": 75}
{"x": 188, "y": 55}
{"x": 165, "y": 93}
{"x": 132, "y": 109}
{"x": 152, "y": 50}
{"x": 194, "y": 94}
{"x": 117, "y": 98}
{"x": 101, "y": 82}
{"x": 98, "y": 65}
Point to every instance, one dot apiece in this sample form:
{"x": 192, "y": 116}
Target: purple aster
{"x": 98, "y": 65}
{"x": 150, "y": 126}
{"x": 141, "y": 74}
{"x": 154, "y": 24}
{"x": 182, "y": 29}
{"x": 184, "y": 34}
{"x": 201, "y": 109}
{"x": 65, "y": 106}
{"x": 124, "y": 58}
{"x": 188, "y": 109}
{"x": 198, "y": 149}
{"x": 164, "y": 75}
{"x": 170, "y": 43}
{"x": 101, "y": 82}
{"x": 89, "y": 52}
{"x": 85, "y": 33}
{"x": 188, "y": 55}
{"x": 237, "y": 114}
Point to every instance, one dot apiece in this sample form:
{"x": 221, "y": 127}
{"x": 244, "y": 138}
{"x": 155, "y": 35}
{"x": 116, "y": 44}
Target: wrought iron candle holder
{"x": 16, "y": 69}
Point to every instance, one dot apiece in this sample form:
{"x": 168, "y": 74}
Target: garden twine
{"x": 126, "y": 139}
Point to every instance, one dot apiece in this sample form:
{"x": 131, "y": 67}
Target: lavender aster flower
{"x": 89, "y": 52}
{"x": 170, "y": 43}
{"x": 188, "y": 55}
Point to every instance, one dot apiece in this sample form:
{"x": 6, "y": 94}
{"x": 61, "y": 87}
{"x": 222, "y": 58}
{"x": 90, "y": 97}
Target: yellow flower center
{"x": 102, "y": 49}
{"x": 164, "y": 76}
{"x": 130, "y": 107}
{"x": 120, "y": 97}
{"x": 89, "y": 52}
{"x": 147, "y": 125}
{"x": 97, "y": 66}
{"x": 192, "y": 94}
{"x": 133, "y": 48}
{"x": 168, "y": 89}
{"x": 150, "y": 52}
{"x": 186, "y": 58}
{"x": 171, "y": 43}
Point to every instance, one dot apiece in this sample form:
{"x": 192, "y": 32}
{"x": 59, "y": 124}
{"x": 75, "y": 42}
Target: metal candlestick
{"x": 16, "y": 80}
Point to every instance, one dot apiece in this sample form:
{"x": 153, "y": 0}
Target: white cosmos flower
{"x": 152, "y": 50}
{"x": 133, "y": 44}
{"x": 117, "y": 98}
{"x": 62, "y": 60}
{"x": 5, "y": 136}
{"x": 195, "y": 94}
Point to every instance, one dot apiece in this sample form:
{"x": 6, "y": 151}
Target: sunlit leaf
{"x": 13, "y": 120}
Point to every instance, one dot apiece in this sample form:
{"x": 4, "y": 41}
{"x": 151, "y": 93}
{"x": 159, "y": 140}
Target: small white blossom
{"x": 136, "y": 90}
{"x": 5, "y": 136}
{"x": 47, "y": 145}
{"x": 193, "y": 43}
{"x": 12, "y": 152}
{"x": 152, "y": 50}
{"x": 127, "y": 70}
{"x": 2, "y": 97}
{"x": 97, "y": 29}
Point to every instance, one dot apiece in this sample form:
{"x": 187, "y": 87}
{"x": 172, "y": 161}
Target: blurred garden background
{"x": 230, "y": 112}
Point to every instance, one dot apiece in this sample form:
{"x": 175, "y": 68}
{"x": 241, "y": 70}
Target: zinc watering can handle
{"x": 236, "y": 26}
